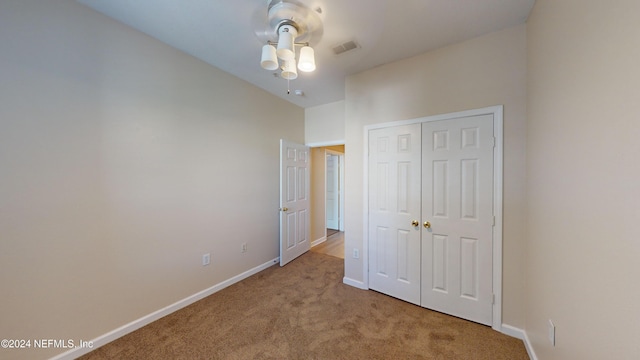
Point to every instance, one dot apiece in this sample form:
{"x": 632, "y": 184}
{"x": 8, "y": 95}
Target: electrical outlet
{"x": 244, "y": 247}
{"x": 356, "y": 254}
{"x": 552, "y": 333}
{"x": 206, "y": 259}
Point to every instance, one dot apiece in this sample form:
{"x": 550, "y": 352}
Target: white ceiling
{"x": 222, "y": 34}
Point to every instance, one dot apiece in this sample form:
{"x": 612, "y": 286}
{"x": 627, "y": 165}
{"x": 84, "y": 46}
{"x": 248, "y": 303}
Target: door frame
{"x": 340, "y": 184}
{"x": 497, "y": 112}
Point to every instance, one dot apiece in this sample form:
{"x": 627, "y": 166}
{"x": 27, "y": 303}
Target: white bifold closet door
{"x": 431, "y": 214}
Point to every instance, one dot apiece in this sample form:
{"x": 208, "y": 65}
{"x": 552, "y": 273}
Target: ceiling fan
{"x": 285, "y": 25}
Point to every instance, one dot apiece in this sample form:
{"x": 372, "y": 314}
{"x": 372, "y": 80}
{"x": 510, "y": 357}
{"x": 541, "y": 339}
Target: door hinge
{"x": 493, "y": 299}
{"x": 493, "y": 221}
{"x": 493, "y": 139}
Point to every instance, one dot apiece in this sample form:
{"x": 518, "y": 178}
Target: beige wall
{"x": 123, "y": 161}
{"x": 324, "y": 124}
{"x": 336, "y": 148}
{"x": 489, "y": 70}
{"x": 583, "y": 175}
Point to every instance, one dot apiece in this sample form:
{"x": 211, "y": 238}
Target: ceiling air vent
{"x": 344, "y": 47}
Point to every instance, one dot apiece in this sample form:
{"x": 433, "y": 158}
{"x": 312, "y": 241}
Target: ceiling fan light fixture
{"x": 286, "y": 41}
{"x": 307, "y": 61}
{"x": 289, "y": 71}
{"x": 269, "y": 59}
{"x": 288, "y": 24}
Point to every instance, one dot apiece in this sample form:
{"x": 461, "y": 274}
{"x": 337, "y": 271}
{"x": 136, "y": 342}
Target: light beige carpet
{"x": 304, "y": 311}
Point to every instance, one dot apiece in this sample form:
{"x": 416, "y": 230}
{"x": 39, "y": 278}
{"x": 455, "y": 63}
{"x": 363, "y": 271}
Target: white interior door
{"x": 333, "y": 191}
{"x": 394, "y": 211}
{"x": 457, "y": 201}
{"x": 294, "y": 201}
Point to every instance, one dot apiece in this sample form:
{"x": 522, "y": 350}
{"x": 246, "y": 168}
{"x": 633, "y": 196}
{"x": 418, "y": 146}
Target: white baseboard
{"x": 522, "y": 335}
{"x": 145, "y": 320}
{"x": 512, "y": 331}
{"x": 318, "y": 241}
{"x": 355, "y": 283}
{"x": 529, "y": 347}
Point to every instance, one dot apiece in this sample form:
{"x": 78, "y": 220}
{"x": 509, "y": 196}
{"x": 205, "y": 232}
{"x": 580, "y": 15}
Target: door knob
{"x": 427, "y": 225}
{"x": 415, "y": 223}
{"x": 285, "y": 209}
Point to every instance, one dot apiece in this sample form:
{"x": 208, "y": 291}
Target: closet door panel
{"x": 457, "y": 201}
{"x": 394, "y": 203}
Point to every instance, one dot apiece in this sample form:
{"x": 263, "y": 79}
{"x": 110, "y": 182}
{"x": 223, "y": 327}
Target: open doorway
{"x": 327, "y": 200}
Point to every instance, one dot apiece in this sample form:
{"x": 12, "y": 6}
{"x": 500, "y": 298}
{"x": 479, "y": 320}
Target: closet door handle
{"x": 427, "y": 225}
{"x": 415, "y": 223}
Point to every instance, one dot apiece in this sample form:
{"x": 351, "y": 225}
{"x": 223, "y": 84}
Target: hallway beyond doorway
{"x": 333, "y": 246}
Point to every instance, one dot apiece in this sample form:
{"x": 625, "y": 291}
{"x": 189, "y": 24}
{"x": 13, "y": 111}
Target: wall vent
{"x": 344, "y": 47}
